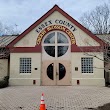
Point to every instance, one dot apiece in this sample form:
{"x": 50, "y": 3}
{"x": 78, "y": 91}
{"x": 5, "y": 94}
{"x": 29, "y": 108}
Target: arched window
{"x": 56, "y": 44}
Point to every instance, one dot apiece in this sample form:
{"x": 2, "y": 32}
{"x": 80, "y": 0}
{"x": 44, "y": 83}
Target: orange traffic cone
{"x": 42, "y": 104}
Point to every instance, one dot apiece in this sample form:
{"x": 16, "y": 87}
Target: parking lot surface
{"x": 55, "y": 97}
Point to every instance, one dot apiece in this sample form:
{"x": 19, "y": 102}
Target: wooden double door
{"x": 56, "y": 73}
{"x": 56, "y": 64}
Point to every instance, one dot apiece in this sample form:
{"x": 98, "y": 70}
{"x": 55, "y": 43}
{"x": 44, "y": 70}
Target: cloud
{"x": 25, "y": 12}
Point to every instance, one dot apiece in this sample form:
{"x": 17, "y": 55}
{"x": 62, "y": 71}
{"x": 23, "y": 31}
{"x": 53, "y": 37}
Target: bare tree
{"x": 4, "y": 52}
{"x": 4, "y": 31}
{"x": 8, "y": 29}
{"x": 4, "y": 55}
{"x": 6, "y": 37}
{"x": 102, "y": 52}
{"x": 98, "y": 20}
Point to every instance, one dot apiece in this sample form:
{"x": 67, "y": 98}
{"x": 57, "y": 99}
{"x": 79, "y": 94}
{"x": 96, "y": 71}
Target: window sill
{"x": 87, "y": 73}
{"x": 25, "y": 73}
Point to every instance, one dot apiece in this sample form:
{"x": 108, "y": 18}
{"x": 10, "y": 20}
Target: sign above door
{"x": 56, "y": 22}
{"x": 52, "y": 28}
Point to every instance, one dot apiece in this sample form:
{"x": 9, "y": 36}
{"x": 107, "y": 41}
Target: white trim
{"x": 25, "y": 73}
{"x": 87, "y": 73}
{"x": 87, "y": 78}
{"x": 24, "y": 78}
{"x": 42, "y": 102}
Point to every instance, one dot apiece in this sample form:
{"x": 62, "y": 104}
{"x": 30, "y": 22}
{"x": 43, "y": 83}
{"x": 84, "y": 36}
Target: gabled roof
{"x": 6, "y": 39}
{"x": 104, "y": 37}
{"x": 55, "y": 8}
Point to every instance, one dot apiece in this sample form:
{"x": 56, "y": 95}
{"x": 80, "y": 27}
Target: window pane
{"x": 87, "y": 65}
{"x": 62, "y": 71}
{"x": 62, "y": 50}
{"x": 25, "y": 65}
{"x": 50, "y": 38}
{"x": 54, "y": 44}
{"x": 50, "y": 71}
{"x": 50, "y": 50}
{"x": 61, "y": 38}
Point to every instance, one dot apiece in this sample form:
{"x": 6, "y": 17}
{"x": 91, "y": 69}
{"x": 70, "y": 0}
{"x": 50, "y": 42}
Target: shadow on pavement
{"x": 104, "y": 107}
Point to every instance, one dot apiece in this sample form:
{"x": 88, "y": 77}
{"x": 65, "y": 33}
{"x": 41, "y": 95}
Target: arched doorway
{"x": 56, "y": 65}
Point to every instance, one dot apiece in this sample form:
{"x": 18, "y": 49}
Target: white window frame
{"x": 25, "y": 65}
{"x": 87, "y": 65}
{"x": 57, "y": 44}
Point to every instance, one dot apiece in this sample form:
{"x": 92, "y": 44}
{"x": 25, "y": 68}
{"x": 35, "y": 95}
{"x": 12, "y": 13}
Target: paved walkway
{"x": 56, "y": 97}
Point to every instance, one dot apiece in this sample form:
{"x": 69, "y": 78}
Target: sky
{"x": 23, "y": 13}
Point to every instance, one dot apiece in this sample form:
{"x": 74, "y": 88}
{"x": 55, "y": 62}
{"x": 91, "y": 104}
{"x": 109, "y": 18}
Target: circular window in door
{"x": 50, "y": 71}
{"x": 56, "y": 44}
{"x": 62, "y": 71}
